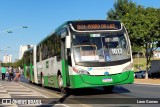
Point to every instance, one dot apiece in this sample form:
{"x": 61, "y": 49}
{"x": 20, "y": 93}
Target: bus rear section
{"x": 29, "y": 58}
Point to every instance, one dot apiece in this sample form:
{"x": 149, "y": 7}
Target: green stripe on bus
{"x": 45, "y": 80}
{"x": 31, "y": 73}
{"x": 79, "y": 81}
{"x": 65, "y": 73}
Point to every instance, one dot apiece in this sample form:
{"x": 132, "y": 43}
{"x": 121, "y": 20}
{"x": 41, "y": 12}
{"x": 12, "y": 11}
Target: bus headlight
{"x": 80, "y": 71}
{"x": 128, "y": 67}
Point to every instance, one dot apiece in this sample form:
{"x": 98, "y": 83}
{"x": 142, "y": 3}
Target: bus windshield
{"x": 100, "y": 47}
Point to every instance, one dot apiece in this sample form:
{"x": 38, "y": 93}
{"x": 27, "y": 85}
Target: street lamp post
{"x": 11, "y": 29}
{"x": 0, "y": 64}
{"x": 0, "y": 60}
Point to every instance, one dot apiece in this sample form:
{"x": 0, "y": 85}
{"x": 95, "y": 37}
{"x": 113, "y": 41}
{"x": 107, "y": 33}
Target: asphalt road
{"x": 129, "y": 95}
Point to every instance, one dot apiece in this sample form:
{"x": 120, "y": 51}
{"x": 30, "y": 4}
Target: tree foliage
{"x": 143, "y": 25}
{"x": 14, "y": 64}
{"x": 18, "y": 63}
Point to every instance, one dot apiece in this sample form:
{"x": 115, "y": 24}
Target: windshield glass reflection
{"x": 100, "y": 47}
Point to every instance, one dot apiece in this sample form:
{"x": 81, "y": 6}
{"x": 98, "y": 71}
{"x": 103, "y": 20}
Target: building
{"x": 7, "y": 58}
{"x": 156, "y": 53}
{"x": 22, "y": 49}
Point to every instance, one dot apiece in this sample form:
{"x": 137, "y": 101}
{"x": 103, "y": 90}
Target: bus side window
{"x": 38, "y": 54}
{"x": 58, "y": 46}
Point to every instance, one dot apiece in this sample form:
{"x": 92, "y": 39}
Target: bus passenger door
{"x": 64, "y": 56}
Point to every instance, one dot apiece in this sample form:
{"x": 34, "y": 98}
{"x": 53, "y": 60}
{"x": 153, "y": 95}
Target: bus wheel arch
{"x": 60, "y": 82}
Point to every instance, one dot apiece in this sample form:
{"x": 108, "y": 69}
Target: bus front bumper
{"x": 81, "y": 81}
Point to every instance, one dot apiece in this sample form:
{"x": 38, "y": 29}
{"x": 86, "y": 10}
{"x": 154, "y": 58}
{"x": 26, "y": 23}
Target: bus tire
{"x": 108, "y": 89}
{"x": 60, "y": 84}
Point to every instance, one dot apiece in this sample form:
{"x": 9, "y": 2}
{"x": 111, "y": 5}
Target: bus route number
{"x": 117, "y": 51}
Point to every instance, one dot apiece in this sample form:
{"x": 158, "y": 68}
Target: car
{"x": 140, "y": 74}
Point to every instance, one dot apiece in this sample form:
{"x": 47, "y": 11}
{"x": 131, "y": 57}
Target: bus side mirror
{"x": 68, "y": 52}
{"x": 69, "y": 57}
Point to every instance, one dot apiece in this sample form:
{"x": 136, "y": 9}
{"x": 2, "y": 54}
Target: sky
{"x": 43, "y": 16}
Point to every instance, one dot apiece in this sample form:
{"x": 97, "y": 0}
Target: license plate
{"x": 107, "y": 80}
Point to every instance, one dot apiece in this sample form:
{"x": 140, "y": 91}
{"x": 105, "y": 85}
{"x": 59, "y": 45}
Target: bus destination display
{"x": 96, "y": 25}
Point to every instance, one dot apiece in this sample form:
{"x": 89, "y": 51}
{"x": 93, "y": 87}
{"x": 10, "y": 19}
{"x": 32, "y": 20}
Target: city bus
{"x": 82, "y": 54}
{"x": 29, "y": 61}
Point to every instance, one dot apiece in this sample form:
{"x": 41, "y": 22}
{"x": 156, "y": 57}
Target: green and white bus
{"x": 29, "y": 61}
{"x": 81, "y": 54}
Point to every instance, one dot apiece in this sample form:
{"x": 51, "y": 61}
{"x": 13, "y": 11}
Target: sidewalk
{"x": 147, "y": 81}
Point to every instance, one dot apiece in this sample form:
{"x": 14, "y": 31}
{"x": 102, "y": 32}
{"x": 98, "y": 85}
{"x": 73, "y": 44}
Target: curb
{"x": 145, "y": 83}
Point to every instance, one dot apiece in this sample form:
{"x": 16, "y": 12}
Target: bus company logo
{"x": 102, "y": 69}
{"x": 90, "y": 69}
{"x": 6, "y": 101}
{"x": 106, "y": 73}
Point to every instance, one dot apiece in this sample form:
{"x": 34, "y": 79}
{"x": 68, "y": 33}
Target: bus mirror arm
{"x": 68, "y": 52}
{"x": 69, "y": 57}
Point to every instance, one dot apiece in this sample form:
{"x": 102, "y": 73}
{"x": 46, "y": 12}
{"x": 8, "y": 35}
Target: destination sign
{"x": 96, "y": 25}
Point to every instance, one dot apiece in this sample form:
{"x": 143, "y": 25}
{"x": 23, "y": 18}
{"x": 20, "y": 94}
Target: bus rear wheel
{"x": 60, "y": 84}
{"x": 108, "y": 89}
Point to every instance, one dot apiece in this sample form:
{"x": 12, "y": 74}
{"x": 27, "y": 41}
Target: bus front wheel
{"x": 60, "y": 84}
{"x": 108, "y": 89}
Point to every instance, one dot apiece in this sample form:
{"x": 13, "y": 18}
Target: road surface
{"x": 130, "y": 95}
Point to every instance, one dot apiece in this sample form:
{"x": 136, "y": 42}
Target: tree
{"x": 18, "y": 63}
{"x": 143, "y": 25}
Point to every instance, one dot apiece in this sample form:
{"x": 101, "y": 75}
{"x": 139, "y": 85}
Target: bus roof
{"x": 75, "y": 21}
{"x": 79, "y": 21}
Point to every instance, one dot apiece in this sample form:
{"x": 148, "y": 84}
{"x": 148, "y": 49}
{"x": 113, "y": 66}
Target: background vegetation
{"x": 143, "y": 25}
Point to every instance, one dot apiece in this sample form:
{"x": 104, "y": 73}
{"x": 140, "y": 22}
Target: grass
{"x": 141, "y": 62}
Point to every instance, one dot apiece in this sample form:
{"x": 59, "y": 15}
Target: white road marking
{"x": 42, "y": 90}
{"x": 5, "y": 96}
{"x": 81, "y": 105}
{"x": 14, "y": 89}
{"x": 2, "y": 91}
